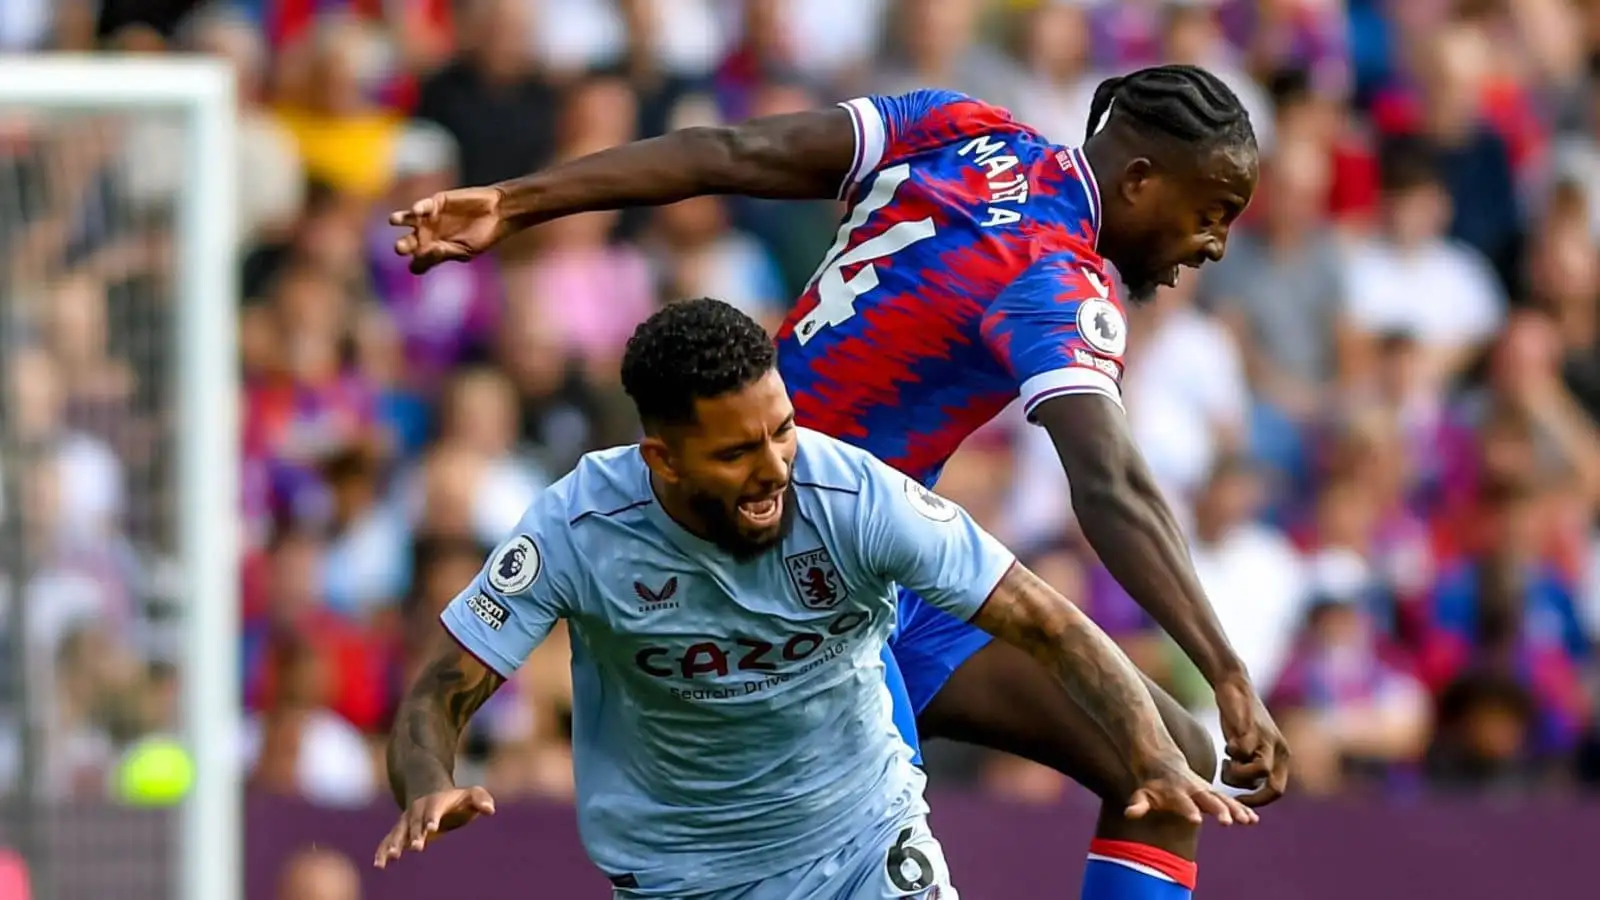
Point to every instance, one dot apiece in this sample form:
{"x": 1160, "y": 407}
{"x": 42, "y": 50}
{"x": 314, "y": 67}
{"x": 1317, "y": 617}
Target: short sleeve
{"x": 520, "y": 593}
{"x": 1059, "y": 329}
{"x": 922, "y": 541}
{"x": 888, "y": 127}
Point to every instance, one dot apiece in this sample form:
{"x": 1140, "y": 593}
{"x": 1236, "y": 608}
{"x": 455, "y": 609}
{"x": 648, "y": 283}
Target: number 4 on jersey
{"x": 836, "y": 296}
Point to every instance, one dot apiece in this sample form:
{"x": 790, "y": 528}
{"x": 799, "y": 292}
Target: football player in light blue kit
{"x": 729, "y": 584}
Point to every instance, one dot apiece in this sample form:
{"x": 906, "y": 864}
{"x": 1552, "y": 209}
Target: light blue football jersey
{"x": 730, "y": 718}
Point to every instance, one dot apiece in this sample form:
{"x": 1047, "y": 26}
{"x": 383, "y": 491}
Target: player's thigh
{"x": 908, "y": 864}
{"x": 1004, "y": 699}
{"x": 930, "y": 645}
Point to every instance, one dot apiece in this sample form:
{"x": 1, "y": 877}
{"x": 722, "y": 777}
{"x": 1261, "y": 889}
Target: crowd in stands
{"x": 1377, "y": 416}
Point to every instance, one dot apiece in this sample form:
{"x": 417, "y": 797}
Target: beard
{"x": 722, "y": 529}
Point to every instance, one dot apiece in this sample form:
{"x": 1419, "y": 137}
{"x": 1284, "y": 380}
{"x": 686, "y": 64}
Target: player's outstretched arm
{"x": 1128, "y": 523}
{"x": 802, "y": 155}
{"x": 422, "y": 750}
{"x": 1025, "y": 611}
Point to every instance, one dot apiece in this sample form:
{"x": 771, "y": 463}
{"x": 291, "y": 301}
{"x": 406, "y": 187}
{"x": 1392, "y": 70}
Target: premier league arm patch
{"x": 490, "y": 612}
{"x": 515, "y": 566}
{"x": 928, "y": 504}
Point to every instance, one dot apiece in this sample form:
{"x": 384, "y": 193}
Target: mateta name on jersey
{"x": 987, "y": 153}
{"x": 759, "y": 664}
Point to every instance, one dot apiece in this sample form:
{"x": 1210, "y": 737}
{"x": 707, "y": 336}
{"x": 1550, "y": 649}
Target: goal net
{"x": 118, "y": 481}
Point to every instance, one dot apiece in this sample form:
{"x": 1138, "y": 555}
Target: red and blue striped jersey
{"x": 964, "y": 275}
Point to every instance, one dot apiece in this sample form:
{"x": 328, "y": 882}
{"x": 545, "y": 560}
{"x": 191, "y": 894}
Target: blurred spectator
{"x": 1256, "y": 582}
{"x": 345, "y": 138}
{"x": 446, "y": 316}
{"x": 1504, "y": 612}
{"x": 300, "y": 747}
{"x": 492, "y": 97}
{"x": 1052, "y": 44}
{"x": 1347, "y": 702}
{"x": 271, "y": 176}
{"x": 1188, "y": 402}
{"x": 931, "y": 46}
{"x": 1451, "y": 110}
{"x": 1483, "y": 737}
{"x": 1281, "y": 288}
{"x": 318, "y": 875}
{"x": 700, "y": 255}
{"x": 476, "y": 460}
{"x": 365, "y": 565}
{"x": 1410, "y": 278}
{"x": 590, "y": 292}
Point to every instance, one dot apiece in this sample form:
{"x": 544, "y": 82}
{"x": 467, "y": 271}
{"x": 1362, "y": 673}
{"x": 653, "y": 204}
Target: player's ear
{"x": 1136, "y": 180}
{"x": 658, "y": 456}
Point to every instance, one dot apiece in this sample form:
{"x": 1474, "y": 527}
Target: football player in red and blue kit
{"x": 970, "y": 269}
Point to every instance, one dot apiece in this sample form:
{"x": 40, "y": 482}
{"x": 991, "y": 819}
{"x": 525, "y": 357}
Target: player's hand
{"x": 1258, "y": 757}
{"x": 1172, "y": 787}
{"x": 430, "y": 816}
{"x": 453, "y": 225}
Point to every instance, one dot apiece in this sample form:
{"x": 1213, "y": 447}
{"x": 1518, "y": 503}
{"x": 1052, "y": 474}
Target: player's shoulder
{"x": 604, "y": 483}
{"x": 827, "y": 466}
{"x": 927, "y": 118}
{"x": 824, "y": 464}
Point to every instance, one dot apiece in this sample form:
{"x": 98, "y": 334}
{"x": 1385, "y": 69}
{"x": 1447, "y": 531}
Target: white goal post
{"x": 201, "y": 91}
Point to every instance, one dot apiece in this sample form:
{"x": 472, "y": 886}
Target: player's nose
{"x": 775, "y": 465}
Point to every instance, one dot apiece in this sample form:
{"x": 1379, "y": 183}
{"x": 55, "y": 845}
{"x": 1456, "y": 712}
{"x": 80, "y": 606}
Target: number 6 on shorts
{"x": 915, "y": 866}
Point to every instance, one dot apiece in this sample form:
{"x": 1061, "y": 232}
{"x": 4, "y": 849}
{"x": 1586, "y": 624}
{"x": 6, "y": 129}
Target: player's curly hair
{"x": 692, "y": 350}
{"x": 1183, "y": 103}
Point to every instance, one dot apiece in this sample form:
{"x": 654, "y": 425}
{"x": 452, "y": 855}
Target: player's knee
{"x": 1195, "y": 741}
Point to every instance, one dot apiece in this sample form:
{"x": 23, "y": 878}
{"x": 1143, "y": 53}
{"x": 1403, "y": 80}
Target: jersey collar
{"x": 1091, "y": 188}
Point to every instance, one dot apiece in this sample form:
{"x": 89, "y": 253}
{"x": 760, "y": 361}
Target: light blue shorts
{"x": 908, "y": 864}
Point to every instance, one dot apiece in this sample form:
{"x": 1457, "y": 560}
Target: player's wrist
{"x": 1229, "y": 674}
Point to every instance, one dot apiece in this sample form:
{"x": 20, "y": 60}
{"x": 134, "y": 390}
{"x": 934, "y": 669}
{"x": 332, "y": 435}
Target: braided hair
{"x": 1185, "y": 104}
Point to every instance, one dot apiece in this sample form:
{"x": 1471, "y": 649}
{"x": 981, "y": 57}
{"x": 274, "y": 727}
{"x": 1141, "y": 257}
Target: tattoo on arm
{"x": 430, "y": 721}
{"x": 1026, "y": 612}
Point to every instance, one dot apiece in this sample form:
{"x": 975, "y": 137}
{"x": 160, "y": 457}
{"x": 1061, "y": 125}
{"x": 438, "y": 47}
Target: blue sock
{"x": 1125, "y": 870}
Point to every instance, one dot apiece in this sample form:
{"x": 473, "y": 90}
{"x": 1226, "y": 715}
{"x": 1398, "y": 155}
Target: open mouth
{"x": 762, "y": 513}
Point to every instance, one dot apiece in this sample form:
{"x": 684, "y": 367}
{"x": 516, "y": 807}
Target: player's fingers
{"x": 1138, "y": 805}
{"x": 1261, "y": 796}
{"x": 406, "y": 244}
{"x": 1209, "y": 804}
{"x": 390, "y": 847}
{"x": 401, "y": 217}
{"x": 425, "y": 207}
{"x": 1180, "y": 803}
{"x": 1244, "y": 773}
{"x": 1242, "y": 814}
{"x": 481, "y": 801}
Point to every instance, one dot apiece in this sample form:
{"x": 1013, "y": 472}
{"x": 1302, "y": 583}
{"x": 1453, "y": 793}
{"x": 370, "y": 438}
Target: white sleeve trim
{"x": 1070, "y": 380}
{"x": 871, "y": 138}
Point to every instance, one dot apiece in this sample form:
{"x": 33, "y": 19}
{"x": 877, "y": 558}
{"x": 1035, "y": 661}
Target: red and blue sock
{"x": 1125, "y": 870}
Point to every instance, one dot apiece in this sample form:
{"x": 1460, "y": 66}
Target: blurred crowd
{"x": 1377, "y": 416}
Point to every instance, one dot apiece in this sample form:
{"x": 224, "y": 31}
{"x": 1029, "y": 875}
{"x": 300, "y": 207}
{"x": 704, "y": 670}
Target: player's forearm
{"x": 1028, "y": 613}
{"x": 421, "y": 755}
{"x": 1133, "y": 531}
{"x": 797, "y": 156}
{"x": 1128, "y": 523}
